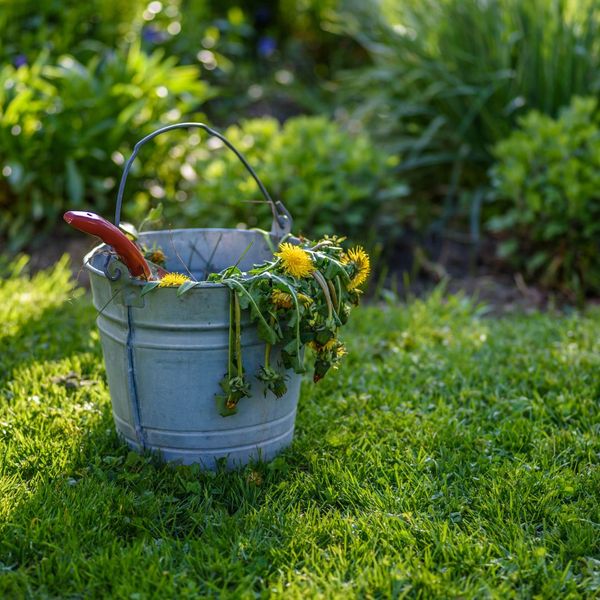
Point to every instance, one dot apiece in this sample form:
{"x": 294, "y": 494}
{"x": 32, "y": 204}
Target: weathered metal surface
{"x": 165, "y": 355}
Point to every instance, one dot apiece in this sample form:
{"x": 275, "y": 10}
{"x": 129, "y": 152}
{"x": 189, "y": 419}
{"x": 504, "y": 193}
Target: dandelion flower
{"x": 360, "y": 259}
{"x": 331, "y": 344}
{"x": 306, "y": 300}
{"x": 157, "y": 256}
{"x": 281, "y": 299}
{"x": 296, "y": 261}
{"x": 341, "y": 351}
{"x": 173, "y": 280}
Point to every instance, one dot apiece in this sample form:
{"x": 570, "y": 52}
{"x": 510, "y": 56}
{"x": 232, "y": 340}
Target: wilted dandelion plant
{"x": 299, "y": 298}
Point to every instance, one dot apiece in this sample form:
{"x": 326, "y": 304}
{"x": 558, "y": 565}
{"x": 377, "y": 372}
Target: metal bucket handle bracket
{"x": 282, "y": 220}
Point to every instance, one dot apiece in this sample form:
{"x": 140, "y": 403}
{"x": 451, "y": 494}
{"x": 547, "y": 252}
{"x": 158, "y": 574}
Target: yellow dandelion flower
{"x": 328, "y": 345}
{"x": 296, "y": 261}
{"x": 306, "y": 300}
{"x": 281, "y": 299}
{"x": 362, "y": 263}
{"x": 173, "y": 280}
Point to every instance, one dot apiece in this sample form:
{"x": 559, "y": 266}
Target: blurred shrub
{"x": 275, "y": 55}
{"x": 267, "y": 57}
{"x": 549, "y": 172}
{"x": 64, "y": 26}
{"x": 329, "y": 180}
{"x": 451, "y": 77}
{"x": 65, "y": 127}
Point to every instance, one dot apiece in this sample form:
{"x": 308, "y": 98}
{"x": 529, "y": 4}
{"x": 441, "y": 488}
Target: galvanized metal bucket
{"x": 165, "y": 355}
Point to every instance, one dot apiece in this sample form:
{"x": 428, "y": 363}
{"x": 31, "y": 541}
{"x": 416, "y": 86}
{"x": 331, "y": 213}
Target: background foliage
{"x": 435, "y": 84}
{"x": 328, "y": 179}
{"x": 549, "y": 172}
{"x": 451, "y": 77}
{"x": 64, "y": 26}
{"x": 66, "y": 126}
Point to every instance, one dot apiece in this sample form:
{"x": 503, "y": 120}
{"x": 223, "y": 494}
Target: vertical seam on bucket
{"x": 135, "y": 405}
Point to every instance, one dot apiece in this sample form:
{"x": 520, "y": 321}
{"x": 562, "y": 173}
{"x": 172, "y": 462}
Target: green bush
{"x": 64, "y": 26}
{"x": 65, "y": 127}
{"x": 451, "y": 78}
{"x": 276, "y": 55}
{"x": 329, "y": 180}
{"x": 549, "y": 173}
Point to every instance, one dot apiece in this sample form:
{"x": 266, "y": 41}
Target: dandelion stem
{"x": 268, "y": 346}
{"x": 294, "y": 295}
{"x": 331, "y": 260}
{"x": 338, "y": 285}
{"x": 332, "y": 292}
{"x": 231, "y": 334}
{"x": 322, "y": 244}
{"x": 323, "y": 284}
{"x": 238, "y": 334}
{"x": 242, "y": 289}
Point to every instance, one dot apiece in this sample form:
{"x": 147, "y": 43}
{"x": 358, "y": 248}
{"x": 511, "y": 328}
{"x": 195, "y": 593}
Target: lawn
{"x": 453, "y": 454}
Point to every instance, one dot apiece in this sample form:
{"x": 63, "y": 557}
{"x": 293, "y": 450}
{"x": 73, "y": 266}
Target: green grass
{"x": 451, "y": 455}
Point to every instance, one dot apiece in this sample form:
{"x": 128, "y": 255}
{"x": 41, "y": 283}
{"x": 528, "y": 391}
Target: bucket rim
{"x": 140, "y": 283}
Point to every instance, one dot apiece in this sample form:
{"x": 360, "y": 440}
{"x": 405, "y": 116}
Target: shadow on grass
{"x": 79, "y": 502}
{"x": 99, "y": 505}
{"x": 81, "y": 514}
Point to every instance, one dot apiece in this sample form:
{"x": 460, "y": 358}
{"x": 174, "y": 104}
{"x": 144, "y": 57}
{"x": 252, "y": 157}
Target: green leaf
{"x": 508, "y": 248}
{"x": 228, "y": 272}
{"x": 224, "y": 411}
{"x": 75, "y": 185}
{"x": 148, "y": 287}
{"x": 536, "y": 261}
{"x": 338, "y": 264}
{"x": 292, "y": 292}
{"x": 331, "y": 270}
{"x": 267, "y": 333}
{"x": 290, "y": 347}
{"x": 244, "y": 302}
{"x": 186, "y": 286}
{"x": 156, "y": 213}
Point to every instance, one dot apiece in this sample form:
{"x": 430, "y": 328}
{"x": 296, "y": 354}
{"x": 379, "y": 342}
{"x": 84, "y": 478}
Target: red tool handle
{"x": 96, "y": 225}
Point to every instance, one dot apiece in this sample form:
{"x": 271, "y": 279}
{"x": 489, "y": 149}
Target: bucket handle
{"x": 282, "y": 220}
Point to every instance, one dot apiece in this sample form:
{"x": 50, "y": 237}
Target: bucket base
{"x": 231, "y": 458}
